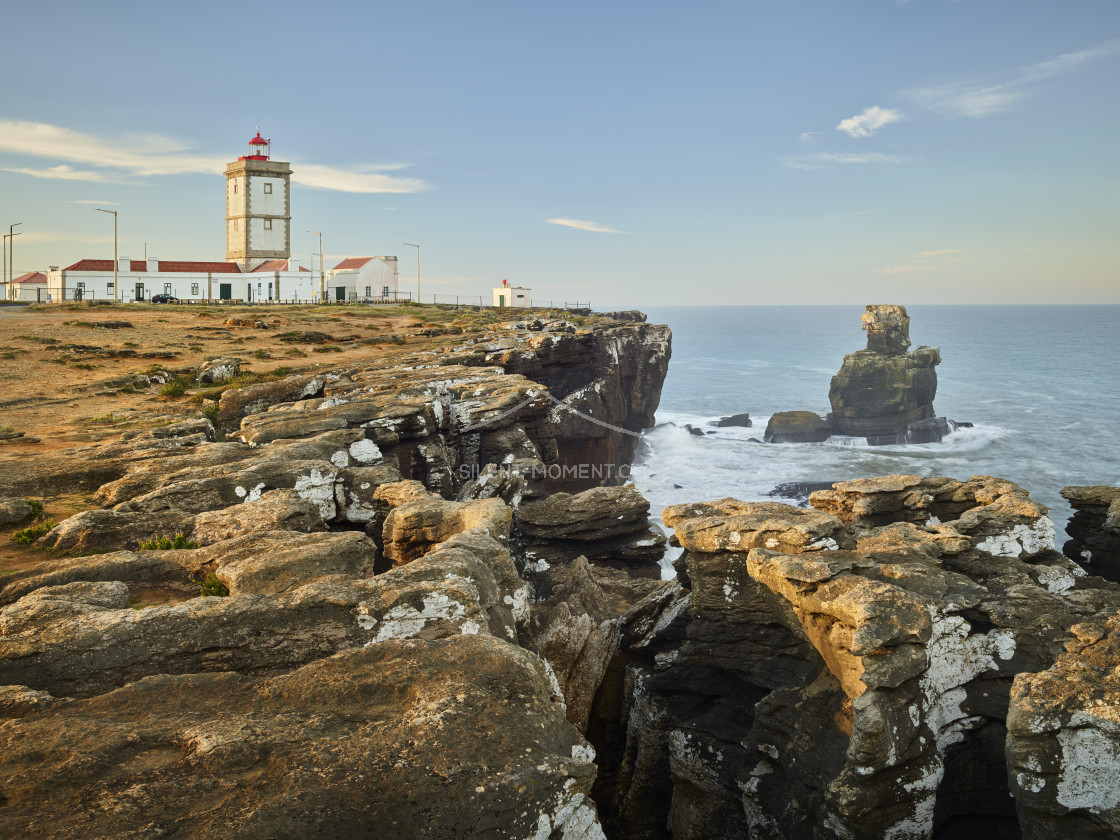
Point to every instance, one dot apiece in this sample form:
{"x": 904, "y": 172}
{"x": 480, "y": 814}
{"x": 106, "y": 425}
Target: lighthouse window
{"x": 268, "y": 224}
{"x": 235, "y": 224}
{"x": 268, "y": 189}
{"x": 235, "y": 188}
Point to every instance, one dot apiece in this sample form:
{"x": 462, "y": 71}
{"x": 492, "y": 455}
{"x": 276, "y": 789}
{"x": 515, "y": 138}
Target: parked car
{"x": 164, "y": 299}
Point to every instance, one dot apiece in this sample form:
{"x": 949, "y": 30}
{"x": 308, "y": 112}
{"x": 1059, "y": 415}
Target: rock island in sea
{"x": 409, "y": 594}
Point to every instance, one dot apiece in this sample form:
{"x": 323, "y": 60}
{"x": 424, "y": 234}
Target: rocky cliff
{"x": 882, "y": 665}
{"x": 885, "y": 392}
{"x": 395, "y": 656}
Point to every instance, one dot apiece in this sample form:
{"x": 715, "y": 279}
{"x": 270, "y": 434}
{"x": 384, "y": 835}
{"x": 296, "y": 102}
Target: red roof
{"x": 352, "y": 262}
{"x": 31, "y": 277}
{"x": 141, "y": 266}
{"x": 258, "y": 140}
{"x": 274, "y": 265}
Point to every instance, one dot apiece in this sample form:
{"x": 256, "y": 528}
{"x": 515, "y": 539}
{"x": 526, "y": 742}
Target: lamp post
{"x": 417, "y": 247}
{"x": 322, "y": 288}
{"x": 116, "y": 291}
{"x": 11, "y": 254}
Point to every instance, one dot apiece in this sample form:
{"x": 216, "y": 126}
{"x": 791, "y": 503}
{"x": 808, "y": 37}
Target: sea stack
{"x": 885, "y": 392}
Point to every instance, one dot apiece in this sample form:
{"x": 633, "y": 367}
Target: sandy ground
{"x": 60, "y": 383}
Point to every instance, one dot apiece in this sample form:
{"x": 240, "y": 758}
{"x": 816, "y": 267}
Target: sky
{"x": 625, "y": 154}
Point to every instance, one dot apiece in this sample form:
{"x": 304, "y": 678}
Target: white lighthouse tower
{"x": 258, "y": 207}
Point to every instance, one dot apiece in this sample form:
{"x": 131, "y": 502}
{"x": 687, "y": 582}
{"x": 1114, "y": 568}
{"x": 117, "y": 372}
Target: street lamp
{"x": 322, "y": 288}
{"x": 116, "y": 291}
{"x": 417, "y": 247}
{"x": 11, "y": 253}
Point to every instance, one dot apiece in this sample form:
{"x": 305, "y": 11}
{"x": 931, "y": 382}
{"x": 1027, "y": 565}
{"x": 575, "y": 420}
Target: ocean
{"x": 1041, "y": 384}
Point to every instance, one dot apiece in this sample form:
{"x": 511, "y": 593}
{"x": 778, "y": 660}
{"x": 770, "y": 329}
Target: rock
{"x": 629, "y": 315}
{"x": 18, "y": 701}
{"x": 109, "y": 530}
{"x": 799, "y": 491}
{"x": 237, "y": 403}
{"x": 930, "y": 430}
{"x": 1094, "y": 529}
{"x": 576, "y": 630}
{"x": 127, "y": 566}
{"x": 739, "y": 420}
{"x": 797, "y": 427}
{"x": 862, "y": 686}
{"x": 881, "y": 391}
{"x": 592, "y": 515}
{"x": 731, "y": 525}
{"x": 218, "y": 370}
{"x": 412, "y": 528}
{"x": 1063, "y": 731}
{"x": 474, "y": 747}
{"x": 14, "y": 510}
{"x": 277, "y": 510}
{"x": 692, "y": 430}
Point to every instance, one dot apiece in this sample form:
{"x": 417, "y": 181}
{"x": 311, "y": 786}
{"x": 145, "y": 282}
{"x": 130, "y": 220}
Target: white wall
{"x": 266, "y": 240}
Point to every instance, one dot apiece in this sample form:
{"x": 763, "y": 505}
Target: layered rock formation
{"x": 1094, "y": 529}
{"x": 885, "y": 392}
{"x": 854, "y": 671}
{"x": 380, "y": 666}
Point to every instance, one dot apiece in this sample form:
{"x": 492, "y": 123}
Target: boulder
{"x": 453, "y": 737}
{"x": 735, "y": 420}
{"x": 413, "y": 528}
{"x": 797, "y": 427}
{"x": 221, "y": 369}
{"x": 881, "y": 391}
{"x": 592, "y": 515}
{"x": 731, "y": 525}
{"x": 14, "y": 510}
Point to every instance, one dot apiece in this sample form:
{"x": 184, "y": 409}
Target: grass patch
{"x": 105, "y": 418}
{"x": 36, "y": 506}
{"x": 38, "y": 339}
{"x": 84, "y": 366}
{"x": 7, "y": 355}
{"x": 131, "y": 344}
{"x": 165, "y": 543}
{"x": 261, "y": 354}
{"x": 291, "y": 351}
{"x": 327, "y": 348}
{"x": 210, "y": 412}
{"x": 28, "y": 535}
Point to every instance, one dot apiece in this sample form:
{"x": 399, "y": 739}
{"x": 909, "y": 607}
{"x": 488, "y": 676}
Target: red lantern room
{"x": 259, "y": 148}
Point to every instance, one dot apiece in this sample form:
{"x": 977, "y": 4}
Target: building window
{"x": 384, "y": 291}
{"x": 369, "y": 289}
{"x": 167, "y": 288}
{"x": 194, "y": 288}
{"x": 235, "y": 188}
{"x": 268, "y": 224}
{"x": 109, "y": 285}
{"x": 235, "y": 224}
{"x": 268, "y": 189}
{"x": 81, "y": 284}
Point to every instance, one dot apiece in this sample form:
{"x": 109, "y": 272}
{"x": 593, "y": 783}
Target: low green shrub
{"x": 210, "y": 586}
{"x": 166, "y": 543}
{"x": 28, "y": 535}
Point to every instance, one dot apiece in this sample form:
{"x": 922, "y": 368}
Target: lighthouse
{"x": 258, "y": 207}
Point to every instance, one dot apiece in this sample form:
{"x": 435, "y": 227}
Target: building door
{"x": 225, "y": 291}
{"x": 340, "y": 293}
{"x": 139, "y": 291}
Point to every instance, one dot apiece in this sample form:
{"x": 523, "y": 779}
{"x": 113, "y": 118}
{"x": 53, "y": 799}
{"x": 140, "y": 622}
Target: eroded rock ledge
{"x": 883, "y": 665}
{"x": 383, "y": 665}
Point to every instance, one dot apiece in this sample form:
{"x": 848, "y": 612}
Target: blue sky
{"x": 626, "y": 153}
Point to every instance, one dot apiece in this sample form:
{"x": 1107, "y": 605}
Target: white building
{"x": 27, "y": 288}
{"x": 515, "y": 296}
{"x": 258, "y": 207}
{"x": 363, "y": 278}
{"x": 282, "y": 281}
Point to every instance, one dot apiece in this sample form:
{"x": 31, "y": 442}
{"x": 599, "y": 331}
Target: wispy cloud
{"x": 865, "y": 124}
{"x": 61, "y": 172}
{"x": 932, "y": 260}
{"x": 580, "y": 224}
{"x": 979, "y": 99}
{"x": 808, "y": 139}
{"x": 828, "y": 160}
{"x": 145, "y": 155}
